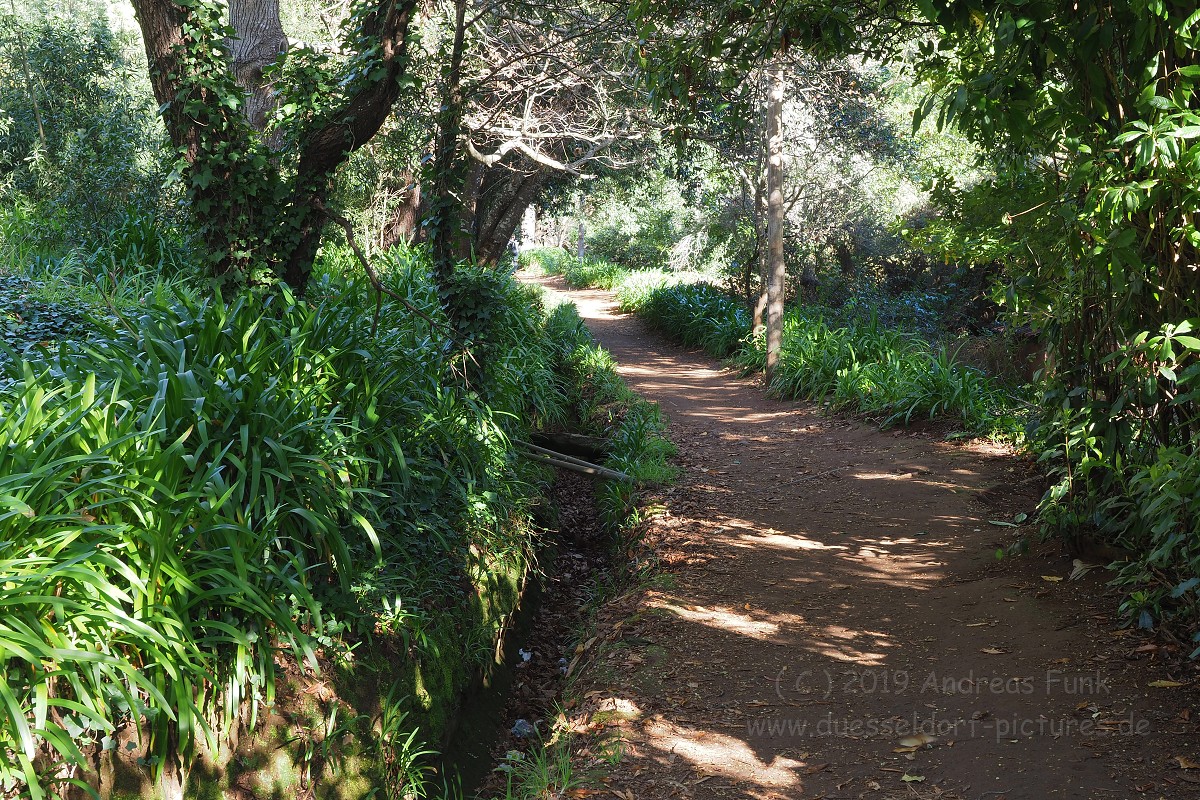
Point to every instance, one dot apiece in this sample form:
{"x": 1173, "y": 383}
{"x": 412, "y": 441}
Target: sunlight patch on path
{"x": 714, "y": 753}
{"x": 722, "y": 619}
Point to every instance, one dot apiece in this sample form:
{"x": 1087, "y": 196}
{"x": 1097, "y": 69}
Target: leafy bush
{"x": 203, "y": 484}
{"x": 895, "y": 375}
{"x": 700, "y": 315}
{"x": 1118, "y": 483}
{"x": 100, "y": 159}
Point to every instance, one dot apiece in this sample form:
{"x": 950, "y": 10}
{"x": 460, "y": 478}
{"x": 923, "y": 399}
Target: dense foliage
{"x": 84, "y": 172}
{"x": 205, "y": 487}
{"x": 1095, "y": 110}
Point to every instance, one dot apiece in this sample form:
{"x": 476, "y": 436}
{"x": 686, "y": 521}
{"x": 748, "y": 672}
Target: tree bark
{"x": 500, "y": 206}
{"x": 444, "y": 224}
{"x": 401, "y": 226}
{"x": 760, "y": 252}
{"x": 257, "y": 43}
{"x": 777, "y": 274}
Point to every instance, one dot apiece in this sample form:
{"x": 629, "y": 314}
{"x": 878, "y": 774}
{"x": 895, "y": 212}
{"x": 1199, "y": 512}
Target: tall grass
{"x": 579, "y": 274}
{"x": 698, "y": 315}
{"x": 895, "y": 376}
{"x": 202, "y": 488}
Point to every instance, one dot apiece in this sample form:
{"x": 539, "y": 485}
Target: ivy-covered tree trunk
{"x": 258, "y": 185}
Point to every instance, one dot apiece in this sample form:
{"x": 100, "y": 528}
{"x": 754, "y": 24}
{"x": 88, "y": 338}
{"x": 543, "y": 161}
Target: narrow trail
{"x": 830, "y": 589}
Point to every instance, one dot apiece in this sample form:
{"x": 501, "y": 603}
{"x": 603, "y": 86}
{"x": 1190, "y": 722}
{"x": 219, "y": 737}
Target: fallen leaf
{"x": 1019, "y": 518}
{"x": 815, "y": 768}
{"x": 912, "y": 778}
{"x": 840, "y": 586}
{"x": 1081, "y": 568}
{"x": 1164, "y": 684}
{"x": 1185, "y": 762}
{"x": 1051, "y": 578}
{"x": 918, "y": 740}
{"x": 993, "y": 651}
{"x": 1001, "y": 523}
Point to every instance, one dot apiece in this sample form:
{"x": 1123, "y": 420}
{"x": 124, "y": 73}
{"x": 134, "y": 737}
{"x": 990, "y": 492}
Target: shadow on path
{"x": 830, "y": 590}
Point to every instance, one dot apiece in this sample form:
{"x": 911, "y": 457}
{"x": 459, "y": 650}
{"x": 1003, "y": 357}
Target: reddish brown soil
{"x": 827, "y": 589}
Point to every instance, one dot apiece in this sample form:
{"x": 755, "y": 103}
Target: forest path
{"x": 829, "y": 589}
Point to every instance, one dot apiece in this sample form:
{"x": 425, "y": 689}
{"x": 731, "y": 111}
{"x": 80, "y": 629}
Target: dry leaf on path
{"x": 918, "y": 740}
{"x": 1185, "y": 763}
{"x": 912, "y": 778}
{"x": 1051, "y": 578}
{"x": 993, "y": 651}
{"x": 1164, "y": 684}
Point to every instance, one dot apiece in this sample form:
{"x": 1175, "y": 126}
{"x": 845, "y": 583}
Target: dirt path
{"x": 829, "y": 590}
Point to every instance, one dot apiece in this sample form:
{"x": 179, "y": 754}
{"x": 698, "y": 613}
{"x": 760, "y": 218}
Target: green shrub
{"x": 636, "y": 289}
{"x": 894, "y": 375}
{"x": 202, "y": 484}
{"x": 699, "y": 315}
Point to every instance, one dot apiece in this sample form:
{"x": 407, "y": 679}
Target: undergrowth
{"x": 197, "y": 488}
{"x": 843, "y": 358}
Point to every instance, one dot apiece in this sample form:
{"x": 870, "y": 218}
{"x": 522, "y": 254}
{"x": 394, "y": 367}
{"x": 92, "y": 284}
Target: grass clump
{"x": 698, "y": 315}
{"x": 579, "y": 274}
{"x": 894, "y": 375}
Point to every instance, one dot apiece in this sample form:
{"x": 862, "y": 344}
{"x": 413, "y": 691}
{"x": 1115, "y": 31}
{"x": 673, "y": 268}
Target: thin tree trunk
{"x": 529, "y": 227}
{"x": 581, "y": 245}
{"x": 760, "y": 252}
{"x": 33, "y": 98}
{"x": 444, "y": 226}
{"x": 775, "y": 217}
{"x": 401, "y": 226}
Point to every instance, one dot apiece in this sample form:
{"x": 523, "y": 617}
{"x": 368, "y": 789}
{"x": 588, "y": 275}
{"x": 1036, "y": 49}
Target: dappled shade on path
{"x": 828, "y": 591}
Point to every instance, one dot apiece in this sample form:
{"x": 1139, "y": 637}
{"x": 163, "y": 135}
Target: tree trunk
{"x": 257, "y": 43}
{"x": 581, "y": 244}
{"x": 500, "y": 205}
{"x": 401, "y": 225}
{"x": 250, "y": 215}
{"x": 777, "y": 273}
{"x": 760, "y": 252}
{"x": 29, "y": 87}
{"x": 444, "y": 224}
{"x": 529, "y": 228}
